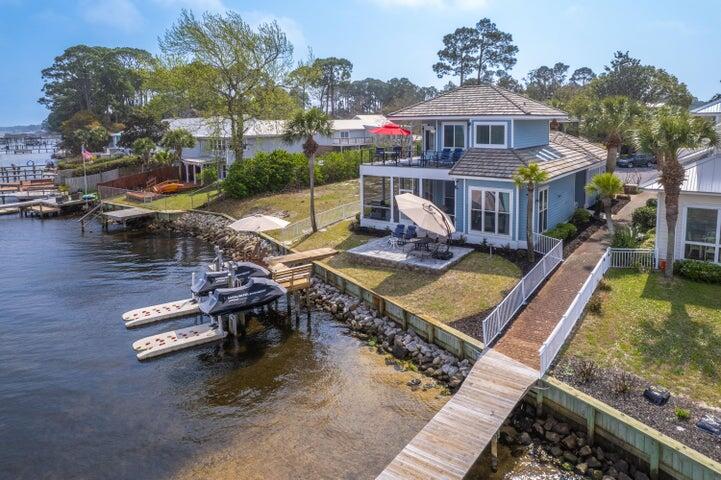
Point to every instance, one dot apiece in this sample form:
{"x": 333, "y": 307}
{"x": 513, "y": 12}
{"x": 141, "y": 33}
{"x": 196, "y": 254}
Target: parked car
{"x": 636, "y": 160}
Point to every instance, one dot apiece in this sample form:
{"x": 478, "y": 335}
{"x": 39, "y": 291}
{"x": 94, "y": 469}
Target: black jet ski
{"x": 255, "y": 293}
{"x": 206, "y": 282}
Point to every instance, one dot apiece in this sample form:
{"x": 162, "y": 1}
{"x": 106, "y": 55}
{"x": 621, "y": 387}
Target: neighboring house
{"x": 212, "y": 137}
{"x": 698, "y": 229}
{"x": 498, "y": 131}
{"x": 710, "y": 110}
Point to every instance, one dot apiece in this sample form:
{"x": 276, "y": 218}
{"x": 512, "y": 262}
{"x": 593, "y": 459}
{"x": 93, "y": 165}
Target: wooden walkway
{"x": 452, "y": 441}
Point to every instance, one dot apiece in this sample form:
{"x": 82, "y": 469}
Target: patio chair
{"x": 410, "y": 232}
{"x": 380, "y": 154}
{"x": 445, "y": 157}
{"x": 456, "y": 154}
{"x": 397, "y": 154}
{"x": 397, "y": 236}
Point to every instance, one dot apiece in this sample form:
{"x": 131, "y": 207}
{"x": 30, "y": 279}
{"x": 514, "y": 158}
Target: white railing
{"x": 612, "y": 258}
{"x": 352, "y": 141}
{"x": 633, "y": 258}
{"x": 323, "y": 219}
{"x": 552, "y": 250}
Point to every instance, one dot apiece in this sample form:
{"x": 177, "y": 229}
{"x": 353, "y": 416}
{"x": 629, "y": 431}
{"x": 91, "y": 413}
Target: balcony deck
{"x": 416, "y": 162}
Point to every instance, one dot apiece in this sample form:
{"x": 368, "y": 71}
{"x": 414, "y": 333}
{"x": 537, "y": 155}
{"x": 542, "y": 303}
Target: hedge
{"x": 644, "y": 218}
{"x": 580, "y": 217}
{"x": 562, "y": 231}
{"x": 97, "y": 166}
{"x": 280, "y": 170}
{"x": 698, "y": 271}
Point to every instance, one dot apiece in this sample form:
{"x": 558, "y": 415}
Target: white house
{"x": 710, "y": 110}
{"x": 698, "y": 229}
{"x": 212, "y": 137}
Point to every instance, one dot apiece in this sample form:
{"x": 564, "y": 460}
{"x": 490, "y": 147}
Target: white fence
{"x": 552, "y": 250}
{"x": 612, "y": 258}
{"x": 323, "y": 219}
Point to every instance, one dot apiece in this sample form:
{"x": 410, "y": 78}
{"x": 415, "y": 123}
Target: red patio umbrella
{"x": 391, "y": 128}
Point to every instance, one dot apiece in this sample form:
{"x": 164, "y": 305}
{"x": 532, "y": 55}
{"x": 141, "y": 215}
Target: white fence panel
{"x": 323, "y": 219}
{"x": 558, "y": 336}
{"x": 552, "y": 250}
{"x": 632, "y": 258}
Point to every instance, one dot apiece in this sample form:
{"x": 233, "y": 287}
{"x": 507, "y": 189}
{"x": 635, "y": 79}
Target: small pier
{"x": 125, "y": 215}
{"x": 452, "y": 441}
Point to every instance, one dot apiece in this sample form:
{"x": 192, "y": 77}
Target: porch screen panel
{"x": 476, "y": 210}
{"x": 443, "y": 195}
{"x": 504, "y": 213}
{"x": 403, "y": 185}
{"x": 489, "y": 212}
{"x": 377, "y": 198}
{"x": 702, "y": 239}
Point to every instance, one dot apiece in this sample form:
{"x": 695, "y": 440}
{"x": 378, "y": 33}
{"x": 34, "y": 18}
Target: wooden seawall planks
{"x": 452, "y": 441}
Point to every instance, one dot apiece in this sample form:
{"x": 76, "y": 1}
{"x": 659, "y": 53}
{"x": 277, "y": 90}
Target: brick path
{"x": 537, "y": 320}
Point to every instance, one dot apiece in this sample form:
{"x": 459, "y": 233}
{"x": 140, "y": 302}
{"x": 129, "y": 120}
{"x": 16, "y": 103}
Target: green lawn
{"x": 178, "y": 201}
{"x": 666, "y": 332}
{"x": 337, "y": 236}
{"x": 473, "y": 286}
{"x": 291, "y": 206}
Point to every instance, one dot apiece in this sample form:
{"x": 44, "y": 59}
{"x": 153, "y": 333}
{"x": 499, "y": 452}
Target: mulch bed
{"x": 662, "y": 418}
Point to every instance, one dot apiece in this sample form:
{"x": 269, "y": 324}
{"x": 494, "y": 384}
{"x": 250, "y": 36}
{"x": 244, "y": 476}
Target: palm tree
{"x": 162, "y": 158}
{"x": 610, "y": 119}
{"x": 529, "y": 177}
{"x": 304, "y": 126}
{"x": 607, "y": 186}
{"x": 177, "y": 140}
{"x": 664, "y": 134}
{"x": 143, "y": 147}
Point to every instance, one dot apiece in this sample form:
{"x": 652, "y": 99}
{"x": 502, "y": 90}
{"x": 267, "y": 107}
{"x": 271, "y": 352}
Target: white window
{"x": 702, "y": 240}
{"x": 344, "y": 134}
{"x": 490, "y": 135}
{"x": 542, "y": 211}
{"x": 490, "y": 211}
{"x": 454, "y": 135}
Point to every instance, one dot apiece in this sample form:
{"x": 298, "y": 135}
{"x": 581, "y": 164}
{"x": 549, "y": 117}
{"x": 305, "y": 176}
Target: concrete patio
{"x": 382, "y": 252}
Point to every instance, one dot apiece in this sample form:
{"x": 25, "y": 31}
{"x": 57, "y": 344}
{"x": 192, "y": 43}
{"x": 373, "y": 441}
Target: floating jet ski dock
{"x": 156, "y": 345}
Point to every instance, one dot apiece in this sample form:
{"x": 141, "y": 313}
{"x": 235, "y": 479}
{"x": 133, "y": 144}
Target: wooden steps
{"x": 174, "y": 340}
{"x": 157, "y": 313}
{"x": 452, "y": 441}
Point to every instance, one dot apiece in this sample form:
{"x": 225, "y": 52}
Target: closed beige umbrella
{"x": 425, "y": 214}
{"x": 258, "y": 223}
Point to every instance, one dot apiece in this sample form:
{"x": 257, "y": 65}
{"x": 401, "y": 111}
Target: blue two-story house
{"x": 474, "y": 138}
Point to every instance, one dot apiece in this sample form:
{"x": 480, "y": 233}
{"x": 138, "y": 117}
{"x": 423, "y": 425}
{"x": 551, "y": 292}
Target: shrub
{"x": 595, "y": 304}
{"x": 621, "y": 383}
{"x": 584, "y": 370}
{"x": 698, "y": 271}
{"x": 644, "y": 218}
{"x": 652, "y": 202}
{"x": 562, "y": 231}
{"x": 604, "y": 286}
{"x": 580, "y": 217}
{"x": 682, "y": 414}
{"x": 624, "y": 237}
{"x": 97, "y": 167}
{"x": 339, "y": 166}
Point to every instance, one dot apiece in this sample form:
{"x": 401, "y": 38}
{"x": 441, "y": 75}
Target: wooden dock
{"x": 302, "y": 258}
{"x": 452, "y": 441}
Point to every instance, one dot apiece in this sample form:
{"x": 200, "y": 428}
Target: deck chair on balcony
{"x": 445, "y": 157}
{"x": 380, "y": 155}
{"x": 456, "y": 155}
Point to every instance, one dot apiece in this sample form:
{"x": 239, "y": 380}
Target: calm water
{"x": 75, "y": 403}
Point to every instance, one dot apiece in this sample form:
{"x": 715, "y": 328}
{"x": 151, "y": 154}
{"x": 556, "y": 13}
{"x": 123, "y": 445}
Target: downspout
{"x": 517, "y": 214}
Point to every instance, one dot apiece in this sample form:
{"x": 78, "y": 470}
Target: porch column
{"x": 187, "y": 173}
{"x": 393, "y": 200}
{"x": 362, "y": 202}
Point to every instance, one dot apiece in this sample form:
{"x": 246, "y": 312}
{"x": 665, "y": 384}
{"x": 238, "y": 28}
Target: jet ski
{"x": 255, "y": 293}
{"x": 205, "y": 282}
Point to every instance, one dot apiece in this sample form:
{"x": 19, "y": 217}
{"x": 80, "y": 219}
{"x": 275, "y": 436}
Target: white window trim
{"x": 443, "y": 134}
{"x": 536, "y": 203}
{"x": 483, "y": 191}
{"x": 683, "y": 242}
{"x": 490, "y": 145}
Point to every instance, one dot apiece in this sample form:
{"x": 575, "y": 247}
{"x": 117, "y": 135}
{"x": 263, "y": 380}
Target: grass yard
{"x": 178, "y": 201}
{"x": 336, "y": 236}
{"x": 666, "y": 332}
{"x": 471, "y": 287}
{"x": 291, "y": 206}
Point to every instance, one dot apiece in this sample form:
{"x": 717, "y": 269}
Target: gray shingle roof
{"x": 477, "y": 101}
{"x": 564, "y": 154}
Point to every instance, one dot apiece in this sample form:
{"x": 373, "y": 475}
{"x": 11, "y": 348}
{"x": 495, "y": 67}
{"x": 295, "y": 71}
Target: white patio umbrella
{"x": 258, "y": 223}
{"x": 425, "y": 214}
